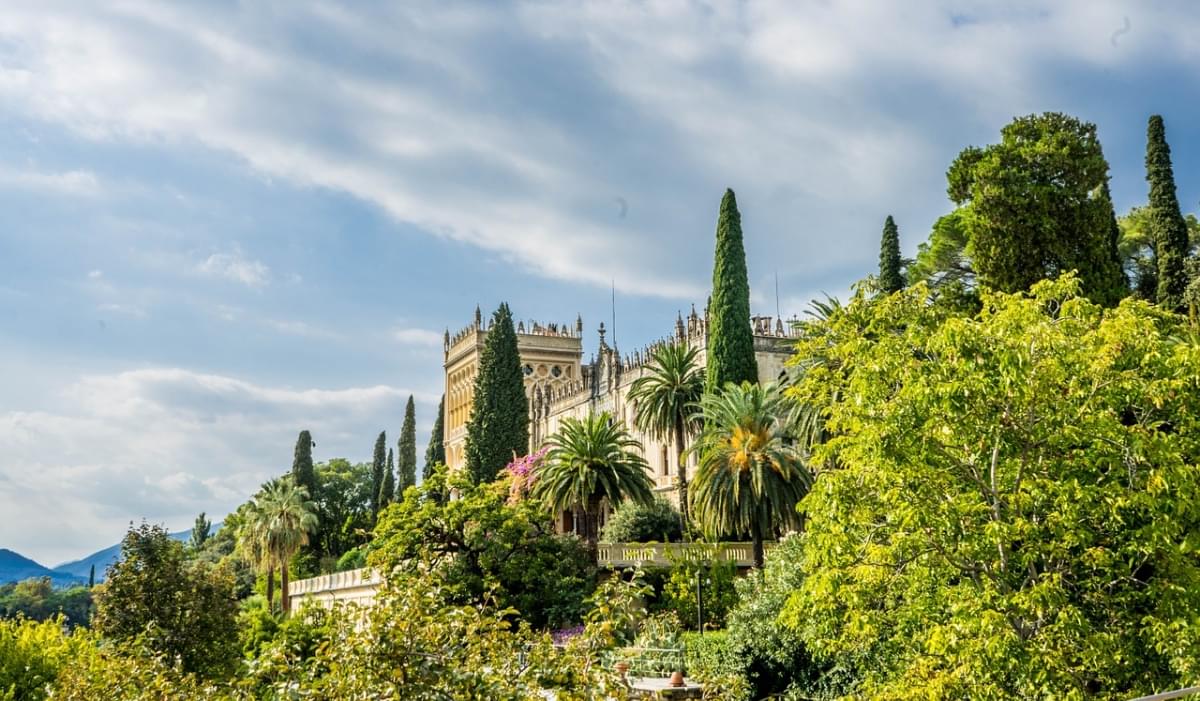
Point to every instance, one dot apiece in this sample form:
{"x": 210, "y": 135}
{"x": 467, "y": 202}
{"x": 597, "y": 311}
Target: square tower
{"x": 551, "y": 356}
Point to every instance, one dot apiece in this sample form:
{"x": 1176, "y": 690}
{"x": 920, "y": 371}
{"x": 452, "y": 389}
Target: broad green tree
{"x": 185, "y": 611}
{"x": 891, "y": 278}
{"x": 486, "y": 548}
{"x": 591, "y": 461}
{"x": 343, "y": 502}
{"x": 435, "y": 454}
{"x": 1166, "y": 221}
{"x": 1011, "y": 508}
{"x": 498, "y": 429}
{"x": 406, "y": 450}
{"x": 1033, "y": 207}
{"x": 730, "y": 356}
{"x": 664, "y": 400}
{"x": 378, "y": 470}
{"x": 751, "y": 475}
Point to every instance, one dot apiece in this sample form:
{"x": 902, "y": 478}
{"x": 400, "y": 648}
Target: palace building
{"x": 560, "y": 384}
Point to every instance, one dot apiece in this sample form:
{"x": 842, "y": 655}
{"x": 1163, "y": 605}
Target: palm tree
{"x": 252, "y": 545}
{"x": 751, "y": 476}
{"x": 664, "y": 402}
{"x": 590, "y": 461}
{"x": 280, "y": 519}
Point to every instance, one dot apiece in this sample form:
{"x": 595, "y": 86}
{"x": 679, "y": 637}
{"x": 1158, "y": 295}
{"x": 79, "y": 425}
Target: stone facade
{"x": 560, "y": 385}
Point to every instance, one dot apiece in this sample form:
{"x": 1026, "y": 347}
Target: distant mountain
{"x": 109, "y": 556}
{"x": 15, "y": 567}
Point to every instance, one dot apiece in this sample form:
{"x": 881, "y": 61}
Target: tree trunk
{"x": 756, "y": 536}
{"x": 271, "y": 589}
{"x": 591, "y": 524}
{"x": 284, "y": 600}
{"x": 681, "y": 477}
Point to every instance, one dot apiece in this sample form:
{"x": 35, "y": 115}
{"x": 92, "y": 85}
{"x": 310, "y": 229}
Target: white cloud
{"x": 165, "y": 444}
{"x": 232, "y": 266}
{"x": 418, "y": 337}
{"x": 78, "y": 183}
{"x": 95, "y": 274}
{"x": 797, "y": 105}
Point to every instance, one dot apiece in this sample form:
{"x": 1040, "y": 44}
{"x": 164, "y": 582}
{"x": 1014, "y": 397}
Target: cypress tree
{"x": 1166, "y": 221}
{"x": 435, "y": 454}
{"x": 302, "y": 464}
{"x": 387, "y": 490}
{"x": 200, "y": 531}
{"x": 378, "y": 464}
{"x": 499, "y": 425}
{"x": 890, "y": 278}
{"x": 730, "y": 338}
{"x": 92, "y": 576}
{"x": 406, "y": 450}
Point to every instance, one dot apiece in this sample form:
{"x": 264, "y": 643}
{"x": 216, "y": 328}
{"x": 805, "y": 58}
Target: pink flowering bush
{"x": 523, "y": 473}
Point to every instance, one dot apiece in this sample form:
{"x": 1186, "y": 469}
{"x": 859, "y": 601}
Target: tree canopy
{"x": 1011, "y": 505}
{"x": 1033, "y": 207}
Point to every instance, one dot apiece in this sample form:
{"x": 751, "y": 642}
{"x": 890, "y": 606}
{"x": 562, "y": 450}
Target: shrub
{"x": 352, "y": 559}
{"x": 773, "y": 656}
{"x": 484, "y": 549}
{"x": 711, "y": 658}
{"x": 634, "y": 523}
{"x": 679, "y": 593}
{"x": 32, "y": 654}
{"x": 157, "y": 600}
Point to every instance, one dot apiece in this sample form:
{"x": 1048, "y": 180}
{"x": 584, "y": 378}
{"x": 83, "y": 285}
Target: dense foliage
{"x": 498, "y": 429}
{"x": 1137, "y": 244}
{"x": 158, "y": 601}
{"x": 730, "y": 356}
{"x": 343, "y": 505}
{"x": 1033, "y": 209}
{"x": 633, "y": 522}
{"x": 481, "y": 547}
{"x": 1167, "y": 225}
{"x": 38, "y": 599}
{"x": 1013, "y": 512}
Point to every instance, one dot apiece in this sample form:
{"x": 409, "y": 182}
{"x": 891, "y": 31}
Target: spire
{"x": 602, "y": 332}
{"x": 579, "y": 325}
{"x": 478, "y": 317}
{"x": 446, "y": 340}
{"x": 679, "y": 326}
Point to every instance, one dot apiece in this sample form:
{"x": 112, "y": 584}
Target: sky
{"x": 223, "y": 222}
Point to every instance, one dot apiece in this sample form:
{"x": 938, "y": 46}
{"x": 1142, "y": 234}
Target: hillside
{"x": 15, "y": 567}
{"x": 108, "y": 556}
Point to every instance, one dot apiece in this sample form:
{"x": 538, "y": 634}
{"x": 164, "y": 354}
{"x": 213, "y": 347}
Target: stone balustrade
{"x": 617, "y": 555}
{"x": 359, "y": 586}
{"x": 353, "y": 586}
